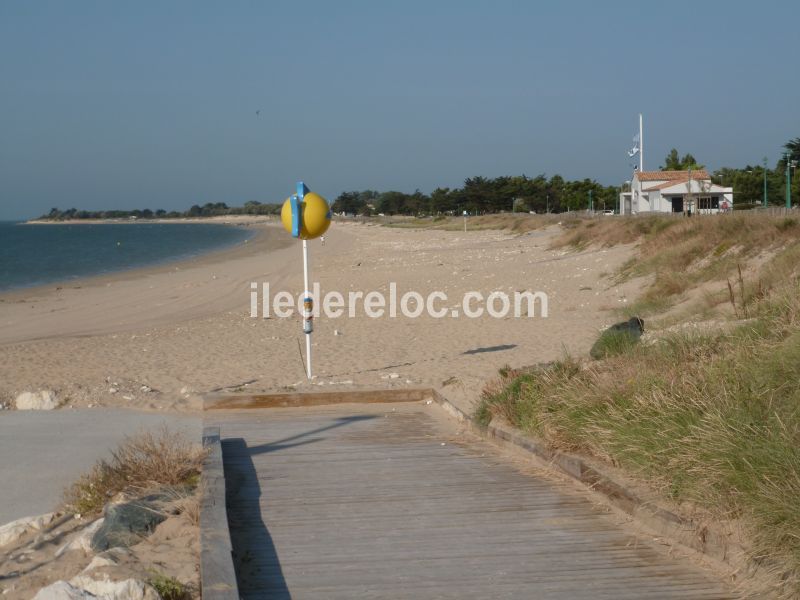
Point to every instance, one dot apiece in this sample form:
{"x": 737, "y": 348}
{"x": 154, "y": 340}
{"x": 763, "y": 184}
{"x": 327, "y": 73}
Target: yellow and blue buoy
{"x": 306, "y": 215}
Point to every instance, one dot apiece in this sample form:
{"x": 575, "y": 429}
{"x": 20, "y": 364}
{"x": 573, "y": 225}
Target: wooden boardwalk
{"x": 392, "y": 501}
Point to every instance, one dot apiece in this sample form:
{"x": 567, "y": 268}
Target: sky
{"x": 111, "y": 105}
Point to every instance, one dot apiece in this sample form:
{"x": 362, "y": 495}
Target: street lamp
{"x": 790, "y": 164}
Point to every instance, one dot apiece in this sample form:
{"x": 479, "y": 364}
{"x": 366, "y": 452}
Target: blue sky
{"x": 153, "y": 104}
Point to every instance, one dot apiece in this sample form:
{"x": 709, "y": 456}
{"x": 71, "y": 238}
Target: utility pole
{"x": 765, "y": 182}
{"x": 591, "y": 204}
{"x": 548, "y": 204}
{"x": 788, "y": 181}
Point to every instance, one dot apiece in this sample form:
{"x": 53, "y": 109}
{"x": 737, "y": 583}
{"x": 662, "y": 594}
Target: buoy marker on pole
{"x": 306, "y": 216}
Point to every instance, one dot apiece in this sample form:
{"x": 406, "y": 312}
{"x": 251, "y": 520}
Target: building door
{"x": 677, "y": 204}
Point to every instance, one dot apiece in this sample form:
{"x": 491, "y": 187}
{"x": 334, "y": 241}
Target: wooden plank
{"x": 304, "y": 399}
{"x": 397, "y": 501}
{"x": 217, "y": 574}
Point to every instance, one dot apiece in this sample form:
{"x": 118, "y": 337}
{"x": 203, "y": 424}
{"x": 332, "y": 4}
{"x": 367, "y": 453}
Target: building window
{"x": 708, "y": 202}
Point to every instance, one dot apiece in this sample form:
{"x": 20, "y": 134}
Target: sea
{"x": 32, "y": 255}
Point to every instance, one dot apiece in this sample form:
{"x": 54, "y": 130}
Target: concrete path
{"x": 43, "y": 452}
{"x": 392, "y": 501}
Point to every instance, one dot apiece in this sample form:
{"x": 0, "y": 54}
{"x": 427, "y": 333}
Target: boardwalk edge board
{"x": 300, "y": 399}
{"x": 217, "y": 574}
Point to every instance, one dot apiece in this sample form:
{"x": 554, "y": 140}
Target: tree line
{"x": 524, "y": 194}
{"x": 748, "y": 182}
{"x": 210, "y": 209}
{"x": 480, "y": 195}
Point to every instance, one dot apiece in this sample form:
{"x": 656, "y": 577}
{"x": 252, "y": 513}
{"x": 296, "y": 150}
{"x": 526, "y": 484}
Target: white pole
{"x": 465, "y": 223}
{"x": 306, "y": 316}
{"x": 641, "y": 144}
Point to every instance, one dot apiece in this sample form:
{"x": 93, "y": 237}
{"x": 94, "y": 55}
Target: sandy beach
{"x": 159, "y": 338}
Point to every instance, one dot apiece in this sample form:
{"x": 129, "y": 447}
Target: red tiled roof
{"x": 671, "y": 175}
{"x": 666, "y": 184}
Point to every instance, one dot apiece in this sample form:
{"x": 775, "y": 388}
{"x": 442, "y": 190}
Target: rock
{"x": 43, "y": 400}
{"x": 617, "y": 338}
{"x": 84, "y": 587}
{"x": 127, "y": 523}
{"x": 82, "y": 541}
{"x": 98, "y": 561}
{"x": 108, "y": 558}
{"x": 105, "y": 589}
{"x": 11, "y": 532}
{"x": 394, "y": 376}
{"x": 61, "y": 590}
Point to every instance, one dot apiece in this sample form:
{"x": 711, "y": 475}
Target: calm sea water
{"x": 38, "y": 254}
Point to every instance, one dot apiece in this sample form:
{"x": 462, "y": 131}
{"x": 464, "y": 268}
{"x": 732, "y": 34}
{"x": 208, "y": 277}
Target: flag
{"x": 635, "y": 150}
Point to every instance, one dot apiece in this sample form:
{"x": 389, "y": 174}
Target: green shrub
{"x": 169, "y": 588}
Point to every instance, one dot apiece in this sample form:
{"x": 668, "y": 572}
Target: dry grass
{"x": 682, "y": 253}
{"x": 139, "y": 463}
{"x": 189, "y": 508}
{"x": 610, "y": 231}
{"x": 513, "y": 222}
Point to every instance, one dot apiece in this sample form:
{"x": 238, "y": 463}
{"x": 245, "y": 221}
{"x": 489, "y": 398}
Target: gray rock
{"x": 11, "y": 532}
{"x": 106, "y": 589}
{"x": 43, "y": 400}
{"x": 83, "y": 540}
{"x": 86, "y": 588}
{"x": 127, "y": 523}
{"x": 112, "y": 556}
{"x": 61, "y": 590}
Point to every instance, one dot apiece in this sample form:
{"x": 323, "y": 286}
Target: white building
{"x": 675, "y": 191}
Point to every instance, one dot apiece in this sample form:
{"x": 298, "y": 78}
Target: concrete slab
{"x": 43, "y": 452}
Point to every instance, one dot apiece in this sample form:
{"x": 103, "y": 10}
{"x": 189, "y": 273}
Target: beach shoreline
{"x": 183, "y": 330}
{"x": 220, "y": 219}
{"x": 159, "y": 294}
{"x": 261, "y": 240}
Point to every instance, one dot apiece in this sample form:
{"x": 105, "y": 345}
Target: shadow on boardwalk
{"x": 250, "y": 536}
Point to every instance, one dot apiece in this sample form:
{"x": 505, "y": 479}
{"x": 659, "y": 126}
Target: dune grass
{"x": 512, "y": 222}
{"x": 681, "y": 253}
{"x": 712, "y": 419}
{"x": 140, "y": 462}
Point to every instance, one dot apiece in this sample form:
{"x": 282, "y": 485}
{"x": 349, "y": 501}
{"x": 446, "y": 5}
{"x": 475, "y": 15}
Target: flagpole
{"x": 641, "y": 145}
